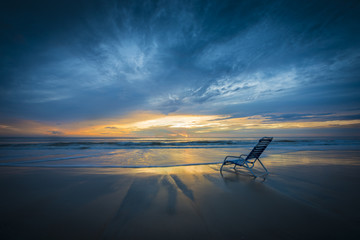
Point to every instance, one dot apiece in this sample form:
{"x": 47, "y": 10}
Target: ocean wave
{"x": 141, "y": 144}
{"x": 122, "y": 144}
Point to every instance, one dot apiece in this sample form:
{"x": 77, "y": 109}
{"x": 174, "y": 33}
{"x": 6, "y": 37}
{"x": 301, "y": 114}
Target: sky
{"x": 179, "y": 68}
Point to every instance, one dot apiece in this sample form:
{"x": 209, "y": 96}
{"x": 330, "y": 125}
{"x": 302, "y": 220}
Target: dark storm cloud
{"x": 93, "y": 59}
{"x": 310, "y": 117}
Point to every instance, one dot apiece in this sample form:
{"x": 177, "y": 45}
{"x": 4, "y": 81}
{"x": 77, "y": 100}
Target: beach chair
{"x": 248, "y": 161}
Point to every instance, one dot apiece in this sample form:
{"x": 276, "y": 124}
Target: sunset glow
{"x": 166, "y": 126}
{"x": 170, "y": 68}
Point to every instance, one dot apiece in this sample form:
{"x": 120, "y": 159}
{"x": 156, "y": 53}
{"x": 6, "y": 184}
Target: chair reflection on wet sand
{"x": 248, "y": 161}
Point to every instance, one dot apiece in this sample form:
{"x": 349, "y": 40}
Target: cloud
{"x": 111, "y": 128}
{"x": 287, "y": 117}
{"x": 225, "y": 58}
{"x": 56, "y": 132}
{"x": 173, "y": 125}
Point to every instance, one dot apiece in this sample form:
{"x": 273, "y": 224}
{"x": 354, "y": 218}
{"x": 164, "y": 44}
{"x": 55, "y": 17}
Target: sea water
{"x": 91, "y": 152}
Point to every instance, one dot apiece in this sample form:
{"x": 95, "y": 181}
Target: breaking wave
{"x": 89, "y": 143}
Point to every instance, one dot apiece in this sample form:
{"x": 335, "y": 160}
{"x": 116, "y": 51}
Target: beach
{"x": 311, "y": 193}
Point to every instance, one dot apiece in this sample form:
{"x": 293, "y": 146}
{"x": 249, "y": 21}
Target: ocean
{"x": 94, "y": 152}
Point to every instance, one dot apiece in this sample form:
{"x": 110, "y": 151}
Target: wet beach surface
{"x": 301, "y": 200}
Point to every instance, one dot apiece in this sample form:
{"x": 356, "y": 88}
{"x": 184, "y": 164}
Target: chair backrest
{"x": 259, "y": 148}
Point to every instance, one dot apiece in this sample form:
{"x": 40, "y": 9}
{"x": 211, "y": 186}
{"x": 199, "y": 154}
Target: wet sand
{"x": 298, "y": 200}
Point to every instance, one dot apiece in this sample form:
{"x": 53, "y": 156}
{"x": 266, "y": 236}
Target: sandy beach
{"x": 303, "y": 199}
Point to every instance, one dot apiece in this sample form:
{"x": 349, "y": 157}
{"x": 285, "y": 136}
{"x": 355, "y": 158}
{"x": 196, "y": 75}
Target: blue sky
{"x": 67, "y": 66}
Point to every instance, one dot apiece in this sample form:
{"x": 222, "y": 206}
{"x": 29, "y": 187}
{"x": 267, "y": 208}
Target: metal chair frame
{"x": 249, "y": 162}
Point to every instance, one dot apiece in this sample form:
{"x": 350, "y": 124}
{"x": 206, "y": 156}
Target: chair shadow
{"x": 235, "y": 175}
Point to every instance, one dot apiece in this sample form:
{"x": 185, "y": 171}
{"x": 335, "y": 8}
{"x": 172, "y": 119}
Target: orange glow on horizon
{"x": 155, "y": 124}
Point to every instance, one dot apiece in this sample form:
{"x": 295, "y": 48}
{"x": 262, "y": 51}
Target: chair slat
{"x": 259, "y": 148}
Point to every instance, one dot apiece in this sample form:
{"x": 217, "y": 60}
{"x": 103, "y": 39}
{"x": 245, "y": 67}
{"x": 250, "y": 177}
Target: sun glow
{"x": 180, "y": 121}
{"x": 153, "y": 124}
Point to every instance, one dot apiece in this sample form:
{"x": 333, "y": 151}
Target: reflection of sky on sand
{"x": 188, "y": 170}
{"x": 171, "y": 157}
{"x": 197, "y": 198}
{"x": 313, "y": 158}
{"x": 318, "y": 179}
{"x": 129, "y": 157}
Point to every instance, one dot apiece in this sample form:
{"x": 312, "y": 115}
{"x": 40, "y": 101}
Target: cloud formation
{"x": 171, "y": 125}
{"x": 106, "y": 59}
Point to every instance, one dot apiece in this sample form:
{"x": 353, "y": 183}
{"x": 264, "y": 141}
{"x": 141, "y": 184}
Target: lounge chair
{"x": 248, "y": 161}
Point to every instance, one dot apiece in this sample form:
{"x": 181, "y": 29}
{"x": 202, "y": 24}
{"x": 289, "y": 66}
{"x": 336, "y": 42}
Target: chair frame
{"x": 250, "y": 160}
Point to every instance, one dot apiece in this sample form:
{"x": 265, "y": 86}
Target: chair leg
{"x": 266, "y": 171}
{"x": 247, "y": 166}
{"x": 222, "y": 166}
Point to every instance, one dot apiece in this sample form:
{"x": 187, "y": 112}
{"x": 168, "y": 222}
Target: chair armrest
{"x": 225, "y": 159}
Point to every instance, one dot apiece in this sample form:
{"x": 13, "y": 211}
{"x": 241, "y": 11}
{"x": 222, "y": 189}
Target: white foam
{"x": 105, "y": 166}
